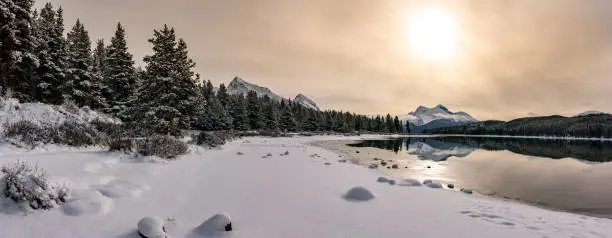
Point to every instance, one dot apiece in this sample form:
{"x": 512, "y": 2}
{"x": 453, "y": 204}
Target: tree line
{"x": 40, "y": 63}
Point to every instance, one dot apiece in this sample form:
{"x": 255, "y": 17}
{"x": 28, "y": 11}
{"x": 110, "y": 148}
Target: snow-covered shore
{"x": 301, "y": 194}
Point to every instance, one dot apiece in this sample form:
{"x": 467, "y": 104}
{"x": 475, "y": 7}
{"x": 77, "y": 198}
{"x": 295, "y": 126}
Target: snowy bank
{"x": 293, "y": 195}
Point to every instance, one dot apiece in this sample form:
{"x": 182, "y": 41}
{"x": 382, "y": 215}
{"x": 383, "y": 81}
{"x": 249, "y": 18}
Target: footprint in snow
{"x": 120, "y": 189}
{"x": 84, "y": 202}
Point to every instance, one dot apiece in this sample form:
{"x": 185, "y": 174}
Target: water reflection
{"x": 571, "y": 175}
{"x": 442, "y": 148}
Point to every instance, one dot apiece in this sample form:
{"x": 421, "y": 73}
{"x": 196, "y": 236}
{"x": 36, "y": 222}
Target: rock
{"x": 429, "y": 167}
{"x": 342, "y": 160}
{"x": 376, "y": 158}
{"x": 426, "y": 181}
{"x": 151, "y": 227}
{"x": 239, "y": 153}
{"x": 327, "y": 163}
{"x": 434, "y": 185}
{"x": 410, "y": 183}
{"x": 388, "y": 167}
{"x": 382, "y": 180}
{"x": 395, "y": 166}
{"x": 215, "y": 226}
{"x": 466, "y": 190}
{"x": 450, "y": 185}
{"x": 406, "y": 167}
{"x": 392, "y": 182}
{"x": 373, "y": 166}
{"x": 359, "y": 194}
{"x": 357, "y": 152}
{"x": 269, "y": 155}
{"x": 383, "y": 163}
{"x": 285, "y": 153}
{"x": 390, "y": 161}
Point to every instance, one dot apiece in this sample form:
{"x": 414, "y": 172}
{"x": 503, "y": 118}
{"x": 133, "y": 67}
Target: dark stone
{"x": 406, "y": 167}
{"x": 228, "y": 227}
{"x": 375, "y": 158}
{"x": 395, "y": 166}
{"x": 327, "y": 163}
{"x": 383, "y": 163}
{"x": 450, "y": 185}
{"x": 429, "y": 167}
{"x": 388, "y": 167}
{"x": 357, "y": 152}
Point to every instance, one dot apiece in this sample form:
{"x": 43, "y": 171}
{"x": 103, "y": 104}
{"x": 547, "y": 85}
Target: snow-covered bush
{"x": 123, "y": 145}
{"x": 210, "y": 139}
{"x": 76, "y": 134}
{"x": 29, "y": 133}
{"x": 25, "y": 182}
{"x": 110, "y": 129}
{"x": 166, "y": 147}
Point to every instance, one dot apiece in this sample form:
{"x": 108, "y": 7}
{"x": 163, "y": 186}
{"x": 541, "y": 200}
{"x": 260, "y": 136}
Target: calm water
{"x": 572, "y": 175}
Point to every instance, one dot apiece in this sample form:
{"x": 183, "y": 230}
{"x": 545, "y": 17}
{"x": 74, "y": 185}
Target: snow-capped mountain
{"x": 306, "y": 102}
{"x": 239, "y": 86}
{"x": 437, "y": 117}
{"x": 588, "y": 113}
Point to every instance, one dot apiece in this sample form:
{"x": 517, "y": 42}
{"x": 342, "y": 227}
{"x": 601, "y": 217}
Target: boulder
{"x": 450, "y": 185}
{"x": 359, "y": 194}
{"x": 395, "y": 166}
{"x": 466, "y": 190}
{"x": 151, "y": 227}
{"x": 434, "y": 185}
{"x": 382, "y": 180}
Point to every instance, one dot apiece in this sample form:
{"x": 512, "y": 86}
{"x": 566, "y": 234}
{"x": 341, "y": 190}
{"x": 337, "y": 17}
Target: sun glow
{"x": 432, "y": 34}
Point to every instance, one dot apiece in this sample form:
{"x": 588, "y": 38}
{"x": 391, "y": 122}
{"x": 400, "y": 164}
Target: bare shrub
{"x": 25, "y": 182}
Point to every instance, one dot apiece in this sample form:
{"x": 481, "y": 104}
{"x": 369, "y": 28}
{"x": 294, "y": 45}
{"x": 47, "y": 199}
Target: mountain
{"x": 306, "y": 102}
{"x": 588, "y": 113}
{"x": 424, "y": 118}
{"x": 239, "y": 86}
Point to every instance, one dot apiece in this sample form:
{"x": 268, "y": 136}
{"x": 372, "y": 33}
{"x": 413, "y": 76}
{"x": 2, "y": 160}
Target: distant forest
{"x": 591, "y": 126}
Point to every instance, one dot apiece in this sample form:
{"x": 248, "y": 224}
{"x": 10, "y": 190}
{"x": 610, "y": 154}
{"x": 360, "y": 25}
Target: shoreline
{"x": 341, "y": 147}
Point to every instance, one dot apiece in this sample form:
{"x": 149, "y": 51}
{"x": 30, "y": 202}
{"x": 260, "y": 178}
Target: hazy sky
{"x": 515, "y": 57}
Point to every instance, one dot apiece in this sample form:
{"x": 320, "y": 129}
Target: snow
{"x": 306, "y": 102}
{"x": 588, "y": 113}
{"x": 294, "y": 196}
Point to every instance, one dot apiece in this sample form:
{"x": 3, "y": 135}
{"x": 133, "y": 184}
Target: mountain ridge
{"x": 239, "y": 86}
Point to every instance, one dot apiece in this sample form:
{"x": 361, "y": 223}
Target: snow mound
{"x": 87, "y": 202}
{"x": 216, "y": 226}
{"x": 359, "y": 194}
{"x": 11, "y": 111}
{"x": 151, "y": 227}
{"x": 410, "y": 183}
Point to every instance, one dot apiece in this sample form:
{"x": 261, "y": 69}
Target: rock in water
{"x": 410, "y": 183}
{"x": 427, "y": 181}
{"x": 359, "y": 194}
{"x": 151, "y": 227}
{"x": 373, "y": 166}
{"x": 433, "y": 185}
{"x": 216, "y": 225}
{"x": 466, "y": 190}
{"x": 450, "y": 185}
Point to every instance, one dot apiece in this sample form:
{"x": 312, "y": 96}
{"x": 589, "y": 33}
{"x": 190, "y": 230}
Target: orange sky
{"x": 513, "y": 57}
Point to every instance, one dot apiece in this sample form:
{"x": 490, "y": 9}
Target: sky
{"x": 513, "y": 58}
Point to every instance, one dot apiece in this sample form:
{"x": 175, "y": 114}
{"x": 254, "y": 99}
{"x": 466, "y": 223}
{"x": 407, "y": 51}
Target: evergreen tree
{"x": 270, "y": 113}
{"x": 214, "y": 117}
{"x": 254, "y": 112}
{"x": 287, "y": 120}
{"x": 311, "y": 122}
{"x": 99, "y": 66}
{"x": 209, "y": 89}
{"x": 119, "y": 74}
{"x": 397, "y": 125}
{"x": 18, "y": 62}
{"x": 238, "y": 113}
{"x": 222, "y": 95}
{"x": 82, "y": 86}
{"x": 168, "y": 96}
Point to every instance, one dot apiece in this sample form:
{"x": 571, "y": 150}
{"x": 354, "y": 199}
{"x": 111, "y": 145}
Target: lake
{"x": 569, "y": 175}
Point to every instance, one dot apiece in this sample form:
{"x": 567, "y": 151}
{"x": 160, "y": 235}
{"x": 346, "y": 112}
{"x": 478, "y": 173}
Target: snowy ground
{"x": 294, "y": 195}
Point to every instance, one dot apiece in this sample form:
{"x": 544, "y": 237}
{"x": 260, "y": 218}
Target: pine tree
{"x": 311, "y": 123}
{"x": 82, "y": 86}
{"x": 214, "y": 117}
{"x": 119, "y": 74}
{"x": 397, "y": 125}
{"x": 222, "y": 95}
{"x": 238, "y": 113}
{"x": 254, "y": 112}
{"x": 168, "y": 96}
{"x": 287, "y": 120}
{"x": 18, "y": 62}
{"x": 270, "y": 113}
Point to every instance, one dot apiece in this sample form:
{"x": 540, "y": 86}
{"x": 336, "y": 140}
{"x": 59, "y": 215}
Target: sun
{"x": 432, "y": 34}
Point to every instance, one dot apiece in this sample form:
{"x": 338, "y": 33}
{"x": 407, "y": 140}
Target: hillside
{"x": 592, "y": 126}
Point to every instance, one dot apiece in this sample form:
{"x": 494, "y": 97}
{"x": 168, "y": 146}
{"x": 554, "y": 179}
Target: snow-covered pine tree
{"x": 222, "y": 95}
{"x": 119, "y": 74}
{"x": 287, "y": 120}
{"x": 51, "y": 55}
{"x": 311, "y": 124}
{"x": 214, "y": 117}
{"x": 17, "y": 45}
{"x": 238, "y": 113}
{"x": 82, "y": 86}
{"x": 209, "y": 89}
{"x": 169, "y": 95}
{"x": 270, "y": 110}
{"x": 254, "y": 113}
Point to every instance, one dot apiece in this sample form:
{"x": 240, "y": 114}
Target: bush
{"x": 29, "y": 132}
{"x": 124, "y": 145}
{"x": 26, "y": 183}
{"x": 111, "y": 130}
{"x": 76, "y": 134}
{"x": 209, "y": 139}
{"x": 166, "y": 147}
